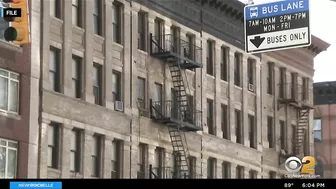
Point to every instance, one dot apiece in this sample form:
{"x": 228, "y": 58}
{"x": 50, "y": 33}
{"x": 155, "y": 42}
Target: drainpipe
{"x": 40, "y": 91}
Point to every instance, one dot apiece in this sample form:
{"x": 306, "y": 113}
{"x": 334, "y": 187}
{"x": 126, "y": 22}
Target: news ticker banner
{"x": 110, "y": 183}
{"x": 35, "y": 185}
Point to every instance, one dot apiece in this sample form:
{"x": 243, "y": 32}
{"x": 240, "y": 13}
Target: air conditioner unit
{"x": 119, "y": 106}
{"x": 251, "y": 87}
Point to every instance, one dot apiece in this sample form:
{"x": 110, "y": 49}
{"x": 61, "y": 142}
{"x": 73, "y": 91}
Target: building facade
{"x": 119, "y": 77}
{"x": 324, "y": 136}
{"x": 15, "y": 80}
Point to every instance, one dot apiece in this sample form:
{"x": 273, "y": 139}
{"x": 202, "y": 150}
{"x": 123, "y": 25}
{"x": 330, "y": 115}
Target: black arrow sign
{"x": 257, "y": 41}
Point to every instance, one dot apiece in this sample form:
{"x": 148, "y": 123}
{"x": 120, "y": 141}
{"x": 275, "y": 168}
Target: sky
{"x": 323, "y": 26}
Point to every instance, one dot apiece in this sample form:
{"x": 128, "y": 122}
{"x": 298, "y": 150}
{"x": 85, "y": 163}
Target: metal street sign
{"x": 277, "y": 26}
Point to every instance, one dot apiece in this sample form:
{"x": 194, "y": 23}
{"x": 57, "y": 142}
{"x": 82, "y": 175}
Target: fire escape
{"x": 299, "y": 100}
{"x": 177, "y": 114}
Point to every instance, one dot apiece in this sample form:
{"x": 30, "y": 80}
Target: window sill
{"x": 118, "y": 45}
{"x": 58, "y": 20}
{"x": 211, "y": 76}
{"x": 142, "y": 52}
{"x": 78, "y": 30}
{"x": 54, "y": 172}
{"x": 76, "y": 175}
{"x": 238, "y": 87}
{"x": 252, "y": 93}
{"x": 11, "y": 115}
{"x": 224, "y": 81}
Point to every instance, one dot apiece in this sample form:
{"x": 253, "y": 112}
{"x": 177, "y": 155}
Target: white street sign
{"x": 277, "y": 26}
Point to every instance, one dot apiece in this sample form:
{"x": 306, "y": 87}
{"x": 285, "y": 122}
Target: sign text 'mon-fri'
{"x": 277, "y": 26}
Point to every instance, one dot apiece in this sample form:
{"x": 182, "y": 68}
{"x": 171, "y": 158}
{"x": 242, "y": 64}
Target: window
{"x": 270, "y": 70}
{"x": 8, "y": 159}
{"x": 141, "y": 92}
{"x": 293, "y": 138}
{"x": 158, "y": 31}
{"x": 272, "y": 175}
{"x": 226, "y": 170}
{"x": 304, "y": 89}
{"x": 211, "y": 164}
{"x": 209, "y": 58}
{"x": 173, "y": 165}
{"x": 76, "y": 77}
{"x": 116, "y": 161}
{"x": 224, "y": 122}
{"x": 55, "y": 8}
{"x": 158, "y": 93}
{"x": 175, "y": 39}
{"x": 174, "y": 113}
{"x": 253, "y": 174}
{"x": 159, "y": 162}
{"x": 9, "y": 91}
{"x": 237, "y": 69}
{"x": 317, "y": 130}
{"x": 116, "y": 22}
{"x": 142, "y": 28}
{"x": 250, "y": 71}
{"x": 190, "y": 113}
{"x": 282, "y": 82}
{"x": 192, "y": 167}
{"x": 97, "y": 17}
{"x": 190, "y": 52}
{"x": 76, "y": 13}
{"x": 97, "y": 84}
{"x": 282, "y": 135}
{"x": 224, "y": 63}
{"x": 53, "y": 145}
{"x": 210, "y": 117}
{"x": 238, "y": 127}
{"x": 240, "y": 172}
{"x": 143, "y": 157}
{"x": 96, "y": 155}
{"x": 75, "y": 150}
{"x": 116, "y": 85}
{"x": 54, "y": 70}
{"x": 270, "y": 130}
{"x": 294, "y": 83}
{"x": 252, "y": 131}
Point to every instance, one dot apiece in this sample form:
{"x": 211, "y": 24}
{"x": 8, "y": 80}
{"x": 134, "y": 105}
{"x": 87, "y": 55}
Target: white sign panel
{"x": 277, "y": 26}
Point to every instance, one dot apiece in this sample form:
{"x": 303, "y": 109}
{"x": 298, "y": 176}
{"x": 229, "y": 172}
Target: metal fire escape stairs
{"x": 177, "y": 137}
{"x": 183, "y": 110}
{"x": 301, "y": 129}
{"x": 303, "y": 110}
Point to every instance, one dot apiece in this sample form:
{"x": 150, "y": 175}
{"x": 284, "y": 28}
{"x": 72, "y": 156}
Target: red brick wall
{"x": 18, "y": 128}
{"x": 326, "y": 149}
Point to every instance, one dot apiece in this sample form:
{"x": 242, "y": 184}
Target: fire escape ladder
{"x": 180, "y": 150}
{"x": 178, "y": 138}
{"x": 301, "y": 130}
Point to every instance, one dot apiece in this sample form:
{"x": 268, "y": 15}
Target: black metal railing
{"x": 171, "y": 173}
{"x": 169, "y": 43}
{"x": 170, "y": 110}
{"x": 297, "y": 92}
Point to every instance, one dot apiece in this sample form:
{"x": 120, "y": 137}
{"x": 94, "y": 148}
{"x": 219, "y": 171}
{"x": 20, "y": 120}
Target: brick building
{"x": 117, "y": 84}
{"x": 324, "y": 130}
{"x": 15, "y": 80}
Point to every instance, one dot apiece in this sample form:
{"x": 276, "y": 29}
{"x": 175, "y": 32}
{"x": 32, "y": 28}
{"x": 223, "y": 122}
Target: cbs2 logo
{"x": 306, "y": 165}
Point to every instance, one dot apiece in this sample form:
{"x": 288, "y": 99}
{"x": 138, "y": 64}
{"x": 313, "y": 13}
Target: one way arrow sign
{"x": 257, "y": 41}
